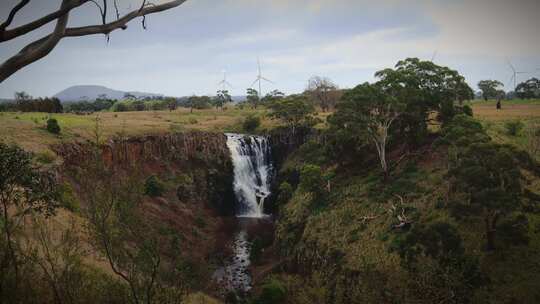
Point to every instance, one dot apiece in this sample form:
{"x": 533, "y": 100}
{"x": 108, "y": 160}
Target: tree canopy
{"x": 490, "y": 88}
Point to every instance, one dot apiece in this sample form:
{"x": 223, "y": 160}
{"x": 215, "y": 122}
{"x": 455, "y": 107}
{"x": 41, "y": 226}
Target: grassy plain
{"x": 28, "y": 129}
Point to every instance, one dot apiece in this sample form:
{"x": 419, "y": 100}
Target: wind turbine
{"x": 260, "y": 77}
{"x": 224, "y": 83}
{"x": 515, "y": 73}
{"x": 434, "y": 55}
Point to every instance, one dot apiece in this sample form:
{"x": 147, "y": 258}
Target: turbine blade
{"x": 267, "y": 80}
{"x": 254, "y": 82}
{"x": 510, "y": 64}
{"x": 229, "y": 84}
{"x": 511, "y": 79}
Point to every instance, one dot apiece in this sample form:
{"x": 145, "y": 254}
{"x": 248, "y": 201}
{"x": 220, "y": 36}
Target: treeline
{"x": 46, "y": 105}
{"x": 493, "y": 89}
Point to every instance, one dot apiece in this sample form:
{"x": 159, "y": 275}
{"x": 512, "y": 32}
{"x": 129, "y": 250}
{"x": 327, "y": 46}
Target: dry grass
{"x": 511, "y": 111}
{"x": 28, "y": 129}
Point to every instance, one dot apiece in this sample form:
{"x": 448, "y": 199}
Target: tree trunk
{"x": 490, "y": 234}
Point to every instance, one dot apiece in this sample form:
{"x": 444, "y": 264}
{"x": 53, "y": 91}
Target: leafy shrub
{"x": 311, "y": 179}
{"x": 68, "y": 200}
{"x": 251, "y": 123}
{"x": 186, "y": 188}
{"x": 52, "y": 126}
{"x": 193, "y": 120}
{"x": 467, "y": 110}
{"x": 513, "y": 127}
{"x": 285, "y": 193}
{"x": 45, "y": 157}
{"x": 273, "y": 292}
{"x": 153, "y": 186}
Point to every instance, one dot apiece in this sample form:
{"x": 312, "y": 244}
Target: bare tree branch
{"x": 116, "y": 10}
{"x": 6, "y": 35}
{"x": 122, "y": 22}
{"x": 12, "y": 14}
{"x": 36, "y": 51}
{"x": 40, "y": 48}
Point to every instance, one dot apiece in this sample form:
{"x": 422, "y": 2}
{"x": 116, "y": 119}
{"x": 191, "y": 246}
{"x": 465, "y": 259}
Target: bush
{"x": 251, "y": 123}
{"x": 68, "y": 199}
{"x": 285, "y": 193}
{"x": 153, "y": 186}
{"x": 52, "y": 126}
{"x": 273, "y": 292}
{"x": 311, "y": 179}
{"x": 45, "y": 157}
{"x": 513, "y": 127}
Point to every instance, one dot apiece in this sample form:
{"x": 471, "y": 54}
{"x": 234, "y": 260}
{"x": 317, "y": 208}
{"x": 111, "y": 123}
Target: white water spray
{"x": 252, "y": 173}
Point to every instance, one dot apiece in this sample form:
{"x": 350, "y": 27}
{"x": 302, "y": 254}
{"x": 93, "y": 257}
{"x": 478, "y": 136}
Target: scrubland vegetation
{"x": 398, "y": 191}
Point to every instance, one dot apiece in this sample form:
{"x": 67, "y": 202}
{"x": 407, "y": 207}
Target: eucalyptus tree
{"x": 252, "y": 97}
{"x": 490, "y": 88}
{"x": 424, "y": 87}
{"x": 370, "y": 111}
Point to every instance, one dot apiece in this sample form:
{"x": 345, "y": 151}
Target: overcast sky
{"x": 185, "y": 50}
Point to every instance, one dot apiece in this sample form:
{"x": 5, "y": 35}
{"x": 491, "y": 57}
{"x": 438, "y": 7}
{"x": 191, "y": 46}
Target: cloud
{"x": 184, "y": 50}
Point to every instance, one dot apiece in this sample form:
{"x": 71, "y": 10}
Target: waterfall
{"x": 252, "y": 173}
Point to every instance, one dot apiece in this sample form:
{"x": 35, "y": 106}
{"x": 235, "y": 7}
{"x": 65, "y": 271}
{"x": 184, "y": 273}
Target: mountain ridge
{"x": 92, "y": 92}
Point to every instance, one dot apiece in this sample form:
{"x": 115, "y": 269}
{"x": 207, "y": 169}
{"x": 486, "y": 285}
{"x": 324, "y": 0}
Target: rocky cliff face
{"x": 178, "y": 147}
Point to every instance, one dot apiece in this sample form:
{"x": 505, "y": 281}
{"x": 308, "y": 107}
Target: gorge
{"x": 253, "y": 172}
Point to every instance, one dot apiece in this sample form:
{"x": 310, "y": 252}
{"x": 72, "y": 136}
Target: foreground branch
{"x": 6, "y": 35}
{"x": 40, "y": 48}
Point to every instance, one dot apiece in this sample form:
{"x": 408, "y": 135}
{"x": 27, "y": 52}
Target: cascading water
{"x": 252, "y": 177}
{"x": 252, "y": 173}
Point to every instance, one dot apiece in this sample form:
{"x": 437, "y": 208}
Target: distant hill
{"x": 92, "y": 92}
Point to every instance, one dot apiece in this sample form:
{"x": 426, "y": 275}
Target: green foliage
{"x": 311, "y": 179}
{"x": 271, "y": 97}
{"x": 439, "y": 241}
{"x": 435, "y": 251}
{"x": 222, "y": 98}
{"x": 25, "y": 192}
{"x": 273, "y": 292}
{"x": 153, "y": 186}
{"x": 489, "y": 88}
{"x": 513, "y": 127}
{"x": 369, "y": 111}
{"x": 462, "y": 131}
{"x": 198, "y": 102}
{"x": 528, "y": 89}
{"x": 52, "y": 126}
{"x": 252, "y": 98}
{"x": 423, "y": 87}
{"x": 285, "y": 193}
{"x": 45, "y": 157}
{"x": 251, "y": 123}
{"x": 294, "y": 111}
{"x": 26, "y": 103}
{"x": 68, "y": 199}
{"x": 489, "y": 175}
